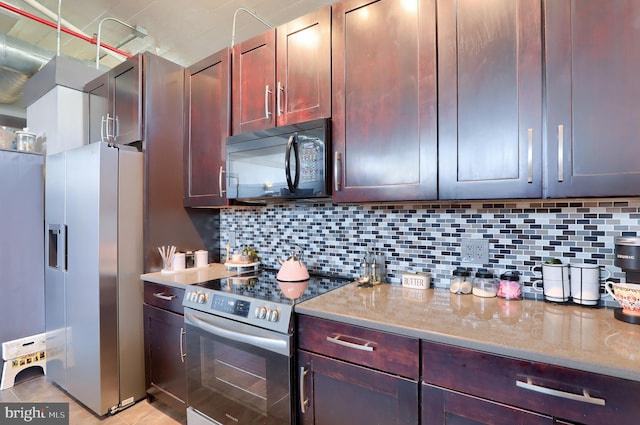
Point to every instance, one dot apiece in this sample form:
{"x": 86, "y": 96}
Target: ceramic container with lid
{"x": 485, "y": 284}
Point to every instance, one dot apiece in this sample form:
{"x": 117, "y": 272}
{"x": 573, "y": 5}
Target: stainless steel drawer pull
{"x": 336, "y": 340}
{"x": 530, "y": 155}
{"x": 266, "y": 101}
{"x": 162, "y": 296}
{"x": 561, "y": 153}
{"x": 280, "y": 90}
{"x": 303, "y": 400}
{"x": 337, "y": 171}
{"x": 182, "y": 353}
{"x": 220, "y": 173}
{"x": 584, "y": 397}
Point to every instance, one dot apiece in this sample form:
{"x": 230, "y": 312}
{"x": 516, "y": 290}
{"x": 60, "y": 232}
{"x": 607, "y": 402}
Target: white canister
{"x": 178, "y": 262}
{"x": 585, "y": 283}
{"x": 202, "y": 258}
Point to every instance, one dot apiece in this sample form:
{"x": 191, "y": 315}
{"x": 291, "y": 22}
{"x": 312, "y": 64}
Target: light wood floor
{"x": 37, "y": 388}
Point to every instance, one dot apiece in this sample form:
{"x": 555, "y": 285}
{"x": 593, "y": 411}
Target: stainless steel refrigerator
{"x": 94, "y": 259}
{"x": 21, "y": 245}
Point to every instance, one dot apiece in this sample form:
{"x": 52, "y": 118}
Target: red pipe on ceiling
{"x": 65, "y": 30}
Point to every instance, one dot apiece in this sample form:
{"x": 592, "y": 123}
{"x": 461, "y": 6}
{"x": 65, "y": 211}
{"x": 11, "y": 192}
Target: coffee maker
{"x": 627, "y": 250}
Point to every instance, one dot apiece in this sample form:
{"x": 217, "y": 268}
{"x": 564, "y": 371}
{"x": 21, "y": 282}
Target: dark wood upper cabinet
{"x": 490, "y": 99}
{"x": 207, "y": 125}
{"x": 593, "y": 97}
{"x": 303, "y": 49}
{"x": 283, "y": 75}
{"x": 115, "y": 112}
{"x": 384, "y": 100}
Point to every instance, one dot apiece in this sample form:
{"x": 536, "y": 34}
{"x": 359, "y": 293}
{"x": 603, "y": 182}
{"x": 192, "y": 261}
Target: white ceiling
{"x": 183, "y": 31}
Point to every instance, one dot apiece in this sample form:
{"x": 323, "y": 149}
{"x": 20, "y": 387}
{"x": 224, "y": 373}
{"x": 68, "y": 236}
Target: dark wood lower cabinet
{"x": 336, "y": 392}
{"x": 166, "y": 377}
{"x": 445, "y": 407}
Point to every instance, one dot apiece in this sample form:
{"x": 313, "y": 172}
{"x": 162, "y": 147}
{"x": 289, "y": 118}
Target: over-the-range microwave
{"x": 288, "y": 162}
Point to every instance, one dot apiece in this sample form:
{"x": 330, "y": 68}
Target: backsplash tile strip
{"x": 421, "y": 238}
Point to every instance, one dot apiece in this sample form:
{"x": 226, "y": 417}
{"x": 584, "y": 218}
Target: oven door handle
{"x": 206, "y": 323}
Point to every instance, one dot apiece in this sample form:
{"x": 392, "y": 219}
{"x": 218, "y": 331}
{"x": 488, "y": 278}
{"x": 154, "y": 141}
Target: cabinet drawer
{"x": 561, "y": 392}
{"x": 165, "y": 297}
{"x": 366, "y": 347}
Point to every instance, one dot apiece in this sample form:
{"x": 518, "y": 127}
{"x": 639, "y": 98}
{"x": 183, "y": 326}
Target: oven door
{"x": 236, "y": 373}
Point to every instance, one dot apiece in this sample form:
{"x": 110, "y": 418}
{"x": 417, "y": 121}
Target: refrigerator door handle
{"x": 57, "y": 249}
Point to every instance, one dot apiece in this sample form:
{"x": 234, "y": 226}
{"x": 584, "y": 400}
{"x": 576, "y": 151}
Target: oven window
{"x": 237, "y": 383}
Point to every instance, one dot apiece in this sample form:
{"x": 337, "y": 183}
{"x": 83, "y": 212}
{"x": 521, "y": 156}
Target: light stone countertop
{"x": 182, "y": 278}
{"x": 583, "y": 338}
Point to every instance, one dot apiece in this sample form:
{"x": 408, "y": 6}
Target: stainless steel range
{"x": 239, "y": 347}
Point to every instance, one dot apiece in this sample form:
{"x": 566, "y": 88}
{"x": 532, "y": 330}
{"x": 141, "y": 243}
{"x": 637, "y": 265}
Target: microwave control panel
{"x": 311, "y": 155}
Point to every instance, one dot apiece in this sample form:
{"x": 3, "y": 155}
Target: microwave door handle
{"x": 287, "y": 162}
{"x": 296, "y": 180}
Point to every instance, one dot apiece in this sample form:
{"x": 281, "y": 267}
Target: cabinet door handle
{"x": 530, "y": 155}
{"x": 336, "y": 340}
{"x": 280, "y": 91}
{"x": 266, "y": 101}
{"x": 107, "y": 125}
{"x": 303, "y": 400}
{"x": 220, "y": 173}
{"x": 182, "y": 353}
{"x": 561, "y": 153}
{"x": 116, "y": 128}
{"x": 337, "y": 171}
{"x": 162, "y": 296}
{"x": 103, "y": 123}
{"x": 584, "y": 397}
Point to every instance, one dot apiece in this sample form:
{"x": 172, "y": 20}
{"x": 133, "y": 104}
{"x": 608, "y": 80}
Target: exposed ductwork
{"x": 18, "y": 62}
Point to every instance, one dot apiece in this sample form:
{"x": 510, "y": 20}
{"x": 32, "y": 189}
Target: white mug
{"x": 202, "y": 258}
{"x": 585, "y": 283}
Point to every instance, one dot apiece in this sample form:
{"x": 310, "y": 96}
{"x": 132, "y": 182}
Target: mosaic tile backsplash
{"x": 419, "y": 238}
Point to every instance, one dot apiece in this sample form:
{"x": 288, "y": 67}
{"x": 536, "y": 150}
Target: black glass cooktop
{"x": 263, "y": 285}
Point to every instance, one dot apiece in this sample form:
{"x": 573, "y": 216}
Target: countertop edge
{"x": 501, "y": 350}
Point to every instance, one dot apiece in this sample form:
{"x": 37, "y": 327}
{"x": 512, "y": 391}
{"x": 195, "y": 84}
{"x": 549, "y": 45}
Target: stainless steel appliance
{"x": 627, "y": 251}
{"x": 282, "y": 163}
{"x": 94, "y": 259}
{"x": 239, "y": 347}
{"x": 22, "y": 246}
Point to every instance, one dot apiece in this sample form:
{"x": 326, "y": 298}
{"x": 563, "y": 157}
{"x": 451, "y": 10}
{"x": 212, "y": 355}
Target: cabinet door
{"x": 443, "y": 407}
{"x": 254, "y": 76}
{"x": 384, "y": 100}
{"x": 593, "y": 97}
{"x": 97, "y": 109}
{"x": 303, "y": 88}
{"x": 335, "y": 392}
{"x": 207, "y": 118}
{"x": 166, "y": 376}
{"x": 126, "y": 90}
{"x": 490, "y": 99}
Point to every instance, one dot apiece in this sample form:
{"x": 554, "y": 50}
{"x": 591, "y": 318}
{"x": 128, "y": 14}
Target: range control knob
{"x": 260, "y": 312}
{"x": 202, "y": 298}
{"x": 192, "y": 296}
{"x": 273, "y": 316}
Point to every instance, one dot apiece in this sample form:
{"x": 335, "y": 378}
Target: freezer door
{"x": 55, "y": 269}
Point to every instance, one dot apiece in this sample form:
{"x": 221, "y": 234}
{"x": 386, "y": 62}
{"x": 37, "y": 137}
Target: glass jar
{"x": 380, "y": 267}
{"x": 509, "y": 286}
{"x": 485, "y": 284}
{"x": 461, "y": 283}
